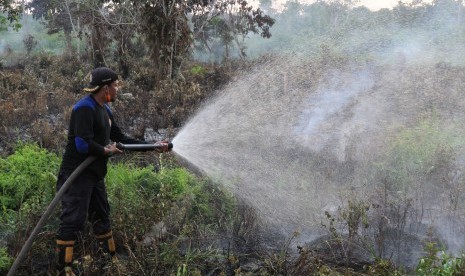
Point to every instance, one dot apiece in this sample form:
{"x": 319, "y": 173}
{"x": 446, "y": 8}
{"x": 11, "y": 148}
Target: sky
{"x": 371, "y": 4}
{"x": 379, "y": 4}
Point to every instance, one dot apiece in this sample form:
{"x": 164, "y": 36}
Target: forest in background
{"x": 53, "y": 51}
{"x": 174, "y": 57}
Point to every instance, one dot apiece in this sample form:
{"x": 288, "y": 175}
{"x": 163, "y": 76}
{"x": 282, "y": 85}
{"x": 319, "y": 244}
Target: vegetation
{"x": 9, "y": 15}
{"x": 5, "y": 260}
{"x": 159, "y": 29}
{"x": 181, "y": 215}
{"x": 172, "y": 57}
{"x": 438, "y": 262}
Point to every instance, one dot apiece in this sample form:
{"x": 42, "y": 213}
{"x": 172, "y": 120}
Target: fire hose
{"x": 159, "y": 147}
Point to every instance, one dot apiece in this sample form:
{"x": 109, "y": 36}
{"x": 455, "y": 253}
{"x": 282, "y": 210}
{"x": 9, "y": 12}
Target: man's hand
{"x": 163, "y": 146}
{"x": 111, "y": 149}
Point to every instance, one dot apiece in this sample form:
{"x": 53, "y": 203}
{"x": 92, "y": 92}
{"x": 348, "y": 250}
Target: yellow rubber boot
{"x": 107, "y": 243}
{"x": 64, "y": 252}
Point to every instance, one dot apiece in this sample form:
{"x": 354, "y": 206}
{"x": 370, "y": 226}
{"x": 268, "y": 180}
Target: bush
{"x": 5, "y": 261}
{"x": 27, "y": 184}
{"x": 439, "y": 263}
{"x": 136, "y": 192}
{"x": 132, "y": 195}
{"x": 27, "y": 176}
{"x": 146, "y": 205}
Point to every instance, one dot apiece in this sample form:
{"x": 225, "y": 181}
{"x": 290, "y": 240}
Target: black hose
{"x": 47, "y": 214}
{"x": 163, "y": 147}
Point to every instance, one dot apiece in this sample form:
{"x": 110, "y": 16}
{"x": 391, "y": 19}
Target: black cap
{"x": 99, "y": 77}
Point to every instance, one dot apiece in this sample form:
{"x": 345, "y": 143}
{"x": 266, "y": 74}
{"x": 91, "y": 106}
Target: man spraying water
{"x": 93, "y": 136}
{"x": 92, "y": 132}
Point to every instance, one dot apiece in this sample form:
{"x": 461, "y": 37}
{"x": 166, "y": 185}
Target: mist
{"x": 354, "y": 110}
{"x": 12, "y": 47}
{"x": 348, "y": 116}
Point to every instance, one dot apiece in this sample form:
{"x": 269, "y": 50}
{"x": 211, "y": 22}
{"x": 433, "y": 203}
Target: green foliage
{"x": 145, "y": 202}
{"x": 131, "y": 180}
{"x": 383, "y": 267}
{"x": 5, "y": 260}
{"x": 140, "y": 198}
{"x": 151, "y": 193}
{"x": 418, "y": 151}
{"x": 27, "y": 176}
{"x": 439, "y": 263}
{"x": 174, "y": 181}
{"x": 9, "y": 15}
{"x": 134, "y": 181}
{"x": 27, "y": 185}
{"x": 198, "y": 70}
{"x": 132, "y": 192}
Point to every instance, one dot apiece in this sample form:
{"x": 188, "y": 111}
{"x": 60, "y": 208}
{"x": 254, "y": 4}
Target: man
{"x": 91, "y": 129}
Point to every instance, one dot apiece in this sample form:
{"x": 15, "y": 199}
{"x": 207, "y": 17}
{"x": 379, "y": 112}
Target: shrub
{"x": 147, "y": 204}
{"x": 132, "y": 194}
{"x": 198, "y": 70}
{"x": 27, "y": 175}
{"x": 5, "y": 260}
{"x": 27, "y": 184}
{"x": 136, "y": 192}
{"x": 439, "y": 263}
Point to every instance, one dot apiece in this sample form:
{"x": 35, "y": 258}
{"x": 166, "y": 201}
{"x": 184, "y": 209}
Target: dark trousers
{"x": 85, "y": 198}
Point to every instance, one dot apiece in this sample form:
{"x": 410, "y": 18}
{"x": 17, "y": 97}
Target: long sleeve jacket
{"x": 91, "y": 128}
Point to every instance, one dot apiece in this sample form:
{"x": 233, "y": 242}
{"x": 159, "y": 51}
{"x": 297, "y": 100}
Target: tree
{"x": 230, "y": 21}
{"x": 76, "y": 19}
{"x": 164, "y": 24}
{"x": 410, "y": 14}
{"x": 166, "y": 29}
{"x": 29, "y": 43}
{"x": 9, "y": 15}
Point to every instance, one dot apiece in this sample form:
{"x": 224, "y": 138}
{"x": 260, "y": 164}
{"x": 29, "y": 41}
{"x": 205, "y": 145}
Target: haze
{"x": 371, "y": 4}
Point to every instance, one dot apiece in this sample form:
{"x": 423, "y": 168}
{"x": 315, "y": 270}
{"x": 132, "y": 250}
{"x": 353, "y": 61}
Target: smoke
{"x": 334, "y": 97}
{"x": 9, "y": 42}
{"x": 426, "y": 32}
{"x": 12, "y": 48}
{"x": 314, "y": 126}
{"x": 346, "y": 115}
{"x": 266, "y": 137}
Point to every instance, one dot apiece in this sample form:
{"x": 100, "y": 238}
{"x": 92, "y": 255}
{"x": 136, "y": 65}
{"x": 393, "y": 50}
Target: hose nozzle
{"x": 158, "y": 147}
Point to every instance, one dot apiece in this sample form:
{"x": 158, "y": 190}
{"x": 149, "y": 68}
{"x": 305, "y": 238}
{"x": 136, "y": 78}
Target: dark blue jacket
{"x": 91, "y": 128}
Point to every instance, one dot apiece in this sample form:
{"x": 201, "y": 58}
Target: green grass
{"x": 139, "y": 198}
